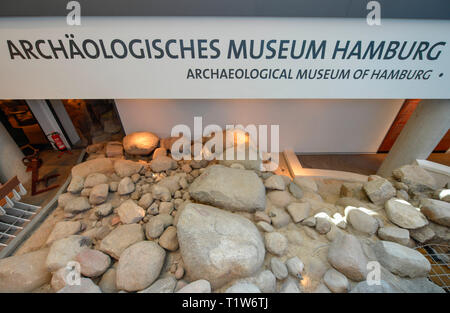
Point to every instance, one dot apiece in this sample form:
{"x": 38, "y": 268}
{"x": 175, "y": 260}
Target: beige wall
{"x": 306, "y": 126}
{"x": 11, "y": 158}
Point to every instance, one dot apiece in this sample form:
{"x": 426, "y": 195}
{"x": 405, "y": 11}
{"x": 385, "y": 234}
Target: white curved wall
{"x": 306, "y": 126}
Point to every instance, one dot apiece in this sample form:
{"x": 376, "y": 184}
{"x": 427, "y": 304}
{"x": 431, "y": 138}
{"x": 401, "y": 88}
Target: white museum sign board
{"x": 137, "y": 57}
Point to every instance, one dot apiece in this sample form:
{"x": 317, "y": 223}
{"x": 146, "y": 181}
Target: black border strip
{"x": 409, "y": 9}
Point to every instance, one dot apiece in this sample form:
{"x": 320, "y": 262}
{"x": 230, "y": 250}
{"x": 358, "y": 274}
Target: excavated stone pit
{"x": 136, "y": 220}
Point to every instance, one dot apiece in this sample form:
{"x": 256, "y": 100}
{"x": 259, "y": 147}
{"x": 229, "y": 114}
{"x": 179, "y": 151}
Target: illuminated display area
{"x": 224, "y": 153}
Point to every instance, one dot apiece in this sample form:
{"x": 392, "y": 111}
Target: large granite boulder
{"x": 108, "y": 281}
{"x": 163, "y": 163}
{"x": 126, "y": 186}
{"x": 140, "y": 143}
{"x": 121, "y": 238}
{"x": 403, "y": 214}
{"x": 65, "y": 250}
{"x": 436, "y": 211}
{"x": 95, "y": 179}
{"x": 275, "y": 182}
{"x": 409, "y": 285}
{"x": 76, "y": 184}
{"x": 171, "y": 182}
{"x": 441, "y": 233}
{"x": 401, "y": 260}
{"x": 280, "y": 198}
{"x": 129, "y": 212}
{"x": 218, "y": 246}
{"x": 347, "y": 256}
{"x": 276, "y": 243}
{"x": 395, "y": 234}
{"x": 114, "y": 149}
{"x": 379, "y": 190}
{"x": 336, "y": 281}
{"x": 139, "y": 266}
{"x": 65, "y": 198}
{"x": 64, "y": 229}
{"x": 299, "y": 211}
{"x": 24, "y": 273}
{"x": 93, "y": 263}
{"x": 306, "y": 183}
{"x": 361, "y": 220}
{"x": 229, "y": 188}
{"x": 77, "y": 205}
{"x": 423, "y": 234}
{"x": 415, "y": 177}
{"x": 98, "y": 194}
{"x": 125, "y": 168}
{"x": 99, "y": 165}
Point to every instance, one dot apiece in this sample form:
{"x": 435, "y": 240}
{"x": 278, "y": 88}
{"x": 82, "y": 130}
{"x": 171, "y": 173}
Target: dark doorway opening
{"x": 23, "y": 127}
{"x": 94, "y": 120}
